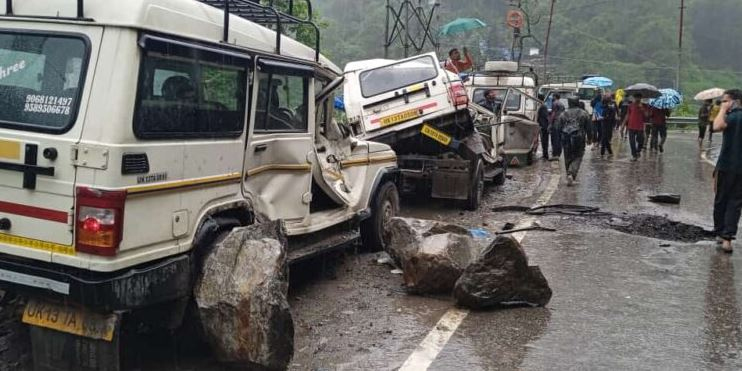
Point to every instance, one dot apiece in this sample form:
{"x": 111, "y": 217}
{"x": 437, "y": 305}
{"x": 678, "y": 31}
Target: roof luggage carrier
{"x": 80, "y": 12}
{"x": 266, "y": 15}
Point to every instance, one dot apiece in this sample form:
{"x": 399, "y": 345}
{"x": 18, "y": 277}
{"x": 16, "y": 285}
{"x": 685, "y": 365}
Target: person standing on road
{"x": 624, "y": 112}
{"x": 715, "y": 109}
{"x": 704, "y": 113}
{"x": 576, "y": 132}
{"x": 557, "y": 109}
{"x": 455, "y": 64}
{"x": 658, "y": 118}
{"x": 597, "y": 105}
{"x": 635, "y": 122}
{"x": 728, "y": 202}
{"x": 542, "y": 115}
{"x": 607, "y": 126}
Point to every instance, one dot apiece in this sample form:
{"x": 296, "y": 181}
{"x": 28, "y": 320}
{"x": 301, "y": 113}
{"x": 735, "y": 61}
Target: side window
{"x": 282, "y": 103}
{"x": 190, "y": 93}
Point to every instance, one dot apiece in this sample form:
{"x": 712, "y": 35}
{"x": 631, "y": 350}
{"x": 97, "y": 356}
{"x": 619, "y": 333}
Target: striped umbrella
{"x": 669, "y": 99}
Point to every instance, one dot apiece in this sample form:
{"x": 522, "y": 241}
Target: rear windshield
{"x": 513, "y": 99}
{"x": 398, "y": 76}
{"x": 40, "y": 80}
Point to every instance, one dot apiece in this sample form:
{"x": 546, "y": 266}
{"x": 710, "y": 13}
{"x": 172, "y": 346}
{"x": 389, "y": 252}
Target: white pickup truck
{"x": 422, "y": 111}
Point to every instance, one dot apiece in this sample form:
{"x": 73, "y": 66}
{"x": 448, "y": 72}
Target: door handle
{"x": 261, "y": 148}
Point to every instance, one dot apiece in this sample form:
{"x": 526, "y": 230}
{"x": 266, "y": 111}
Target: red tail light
{"x": 458, "y": 94}
{"x": 99, "y": 221}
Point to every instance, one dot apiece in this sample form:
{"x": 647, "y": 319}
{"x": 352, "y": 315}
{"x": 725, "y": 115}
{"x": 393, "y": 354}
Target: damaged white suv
{"x": 134, "y": 132}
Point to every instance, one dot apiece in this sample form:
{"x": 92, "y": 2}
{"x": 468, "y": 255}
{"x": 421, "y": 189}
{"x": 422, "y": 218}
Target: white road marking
{"x": 428, "y": 350}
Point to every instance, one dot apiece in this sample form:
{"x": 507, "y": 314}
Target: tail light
{"x": 458, "y": 94}
{"x": 99, "y": 221}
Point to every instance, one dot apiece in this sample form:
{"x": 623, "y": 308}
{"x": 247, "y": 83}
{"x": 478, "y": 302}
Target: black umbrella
{"x": 646, "y": 90}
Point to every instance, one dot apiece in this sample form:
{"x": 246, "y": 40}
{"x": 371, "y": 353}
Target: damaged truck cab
{"x": 421, "y": 111}
{"x": 134, "y": 133}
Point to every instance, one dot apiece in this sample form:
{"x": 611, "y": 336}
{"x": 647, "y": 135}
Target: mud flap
{"x": 58, "y": 351}
{"x": 451, "y": 180}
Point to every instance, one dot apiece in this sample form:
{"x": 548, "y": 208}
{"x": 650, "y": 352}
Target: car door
{"x": 279, "y": 151}
{"x": 45, "y": 79}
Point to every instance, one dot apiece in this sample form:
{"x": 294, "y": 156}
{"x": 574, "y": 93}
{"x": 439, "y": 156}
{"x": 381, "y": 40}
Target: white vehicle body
{"x": 140, "y": 129}
{"x": 420, "y": 109}
{"x": 518, "y": 132}
{"x": 585, "y": 92}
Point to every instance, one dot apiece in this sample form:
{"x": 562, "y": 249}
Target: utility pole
{"x": 680, "y": 45}
{"x": 548, "y": 34}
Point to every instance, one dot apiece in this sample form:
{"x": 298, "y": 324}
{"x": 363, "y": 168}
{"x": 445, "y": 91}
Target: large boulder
{"x": 501, "y": 276}
{"x": 242, "y": 298}
{"x": 432, "y": 255}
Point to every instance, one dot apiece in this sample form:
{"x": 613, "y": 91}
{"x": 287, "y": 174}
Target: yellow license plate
{"x": 400, "y": 117}
{"x": 436, "y": 135}
{"x": 10, "y": 150}
{"x": 70, "y": 320}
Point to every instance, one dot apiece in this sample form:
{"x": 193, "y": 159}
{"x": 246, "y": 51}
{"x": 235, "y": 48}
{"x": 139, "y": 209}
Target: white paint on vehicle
{"x": 429, "y": 349}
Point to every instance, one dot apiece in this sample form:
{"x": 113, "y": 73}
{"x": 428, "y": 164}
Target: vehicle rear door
{"x": 401, "y": 91}
{"x": 45, "y": 79}
{"x": 279, "y": 154}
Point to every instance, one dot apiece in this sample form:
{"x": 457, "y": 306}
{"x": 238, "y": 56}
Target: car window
{"x": 40, "y": 80}
{"x": 513, "y": 100}
{"x": 397, "y": 76}
{"x": 282, "y": 103}
{"x": 192, "y": 97}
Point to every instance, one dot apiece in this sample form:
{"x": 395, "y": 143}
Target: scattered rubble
{"x": 501, "y": 276}
{"x": 242, "y": 299}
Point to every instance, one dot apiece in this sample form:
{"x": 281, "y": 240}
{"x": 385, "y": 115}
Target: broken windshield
{"x": 397, "y": 76}
{"x": 40, "y": 80}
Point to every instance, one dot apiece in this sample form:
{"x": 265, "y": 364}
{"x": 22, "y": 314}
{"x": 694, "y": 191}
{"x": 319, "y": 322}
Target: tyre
{"x": 385, "y": 206}
{"x": 476, "y": 191}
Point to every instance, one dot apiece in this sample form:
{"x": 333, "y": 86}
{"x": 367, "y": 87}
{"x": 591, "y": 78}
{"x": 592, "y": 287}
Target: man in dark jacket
{"x": 575, "y": 128}
{"x": 728, "y": 202}
{"x": 557, "y": 109}
{"x": 543, "y": 122}
{"x": 703, "y": 120}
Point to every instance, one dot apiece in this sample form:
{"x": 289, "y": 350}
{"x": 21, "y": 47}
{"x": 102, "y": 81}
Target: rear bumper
{"x": 138, "y": 287}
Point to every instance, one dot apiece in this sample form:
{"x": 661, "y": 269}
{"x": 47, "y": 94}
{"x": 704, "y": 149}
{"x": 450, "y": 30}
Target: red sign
{"x": 515, "y": 19}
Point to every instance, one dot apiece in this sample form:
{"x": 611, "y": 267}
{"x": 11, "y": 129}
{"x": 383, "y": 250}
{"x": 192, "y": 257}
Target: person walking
{"x": 608, "y": 124}
{"x": 704, "y": 113}
{"x": 542, "y": 116}
{"x": 576, "y": 131}
{"x": 557, "y": 109}
{"x": 634, "y": 121}
{"x": 597, "y": 106}
{"x": 715, "y": 109}
{"x": 658, "y": 119}
{"x": 728, "y": 201}
{"x": 455, "y": 64}
{"x": 623, "y": 113}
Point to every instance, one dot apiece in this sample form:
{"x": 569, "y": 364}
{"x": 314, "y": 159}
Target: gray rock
{"x": 432, "y": 254}
{"x": 438, "y": 263}
{"x": 501, "y": 276}
{"x": 242, "y": 302}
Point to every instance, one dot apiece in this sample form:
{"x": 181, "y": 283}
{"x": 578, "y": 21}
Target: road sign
{"x": 515, "y": 18}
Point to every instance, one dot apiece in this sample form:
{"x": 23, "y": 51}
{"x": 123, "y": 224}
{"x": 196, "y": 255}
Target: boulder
{"x": 432, "y": 254}
{"x": 242, "y": 298}
{"x": 501, "y": 276}
{"x": 438, "y": 262}
{"x": 407, "y": 235}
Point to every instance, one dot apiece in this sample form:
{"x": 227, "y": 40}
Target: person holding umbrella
{"x": 455, "y": 64}
{"x": 658, "y": 118}
{"x": 728, "y": 202}
{"x": 634, "y": 120}
{"x": 704, "y": 113}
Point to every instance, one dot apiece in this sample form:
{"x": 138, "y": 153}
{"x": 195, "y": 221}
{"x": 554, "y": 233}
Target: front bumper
{"x": 133, "y": 288}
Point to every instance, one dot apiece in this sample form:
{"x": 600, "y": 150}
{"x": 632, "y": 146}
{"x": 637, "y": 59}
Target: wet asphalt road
{"x": 620, "y": 301}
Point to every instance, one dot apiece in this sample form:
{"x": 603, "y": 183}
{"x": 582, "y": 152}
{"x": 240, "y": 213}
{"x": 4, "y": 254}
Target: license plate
{"x": 436, "y": 135}
{"x": 70, "y": 320}
{"x": 10, "y": 150}
{"x": 400, "y": 117}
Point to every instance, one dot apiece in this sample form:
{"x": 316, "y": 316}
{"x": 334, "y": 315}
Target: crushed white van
{"x": 134, "y": 132}
{"x": 422, "y": 111}
{"x": 515, "y": 90}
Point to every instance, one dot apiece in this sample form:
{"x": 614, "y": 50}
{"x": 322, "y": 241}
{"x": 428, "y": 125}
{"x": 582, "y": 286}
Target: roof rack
{"x": 266, "y": 15}
{"x": 80, "y": 11}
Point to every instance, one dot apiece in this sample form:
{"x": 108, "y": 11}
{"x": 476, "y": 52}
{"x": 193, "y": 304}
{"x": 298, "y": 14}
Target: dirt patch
{"x": 15, "y": 348}
{"x": 659, "y": 227}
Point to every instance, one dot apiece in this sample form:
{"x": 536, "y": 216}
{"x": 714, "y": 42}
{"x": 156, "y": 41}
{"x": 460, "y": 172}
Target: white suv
{"x": 134, "y": 132}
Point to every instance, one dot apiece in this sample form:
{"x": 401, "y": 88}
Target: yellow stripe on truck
{"x": 36, "y": 244}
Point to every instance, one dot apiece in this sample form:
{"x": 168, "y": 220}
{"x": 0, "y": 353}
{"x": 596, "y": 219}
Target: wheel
{"x": 476, "y": 192}
{"x": 385, "y": 206}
